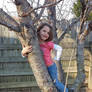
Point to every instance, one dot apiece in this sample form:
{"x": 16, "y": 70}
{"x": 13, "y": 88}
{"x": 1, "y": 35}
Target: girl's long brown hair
{"x": 50, "y": 33}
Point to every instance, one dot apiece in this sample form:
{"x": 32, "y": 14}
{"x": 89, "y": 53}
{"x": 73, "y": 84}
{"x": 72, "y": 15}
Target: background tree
{"x": 81, "y": 9}
{"x": 77, "y": 9}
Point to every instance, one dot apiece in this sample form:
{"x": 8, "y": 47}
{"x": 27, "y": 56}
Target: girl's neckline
{"x": 43, "y": 43}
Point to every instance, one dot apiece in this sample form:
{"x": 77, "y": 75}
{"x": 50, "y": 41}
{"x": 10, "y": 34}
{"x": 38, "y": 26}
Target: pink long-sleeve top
{"x": 46, "y": 49}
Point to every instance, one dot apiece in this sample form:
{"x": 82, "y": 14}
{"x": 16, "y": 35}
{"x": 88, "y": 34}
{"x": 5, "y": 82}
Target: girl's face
{"x": 44, "y": 33}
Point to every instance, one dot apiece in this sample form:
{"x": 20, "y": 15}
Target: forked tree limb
{"x": 8, "y": 21}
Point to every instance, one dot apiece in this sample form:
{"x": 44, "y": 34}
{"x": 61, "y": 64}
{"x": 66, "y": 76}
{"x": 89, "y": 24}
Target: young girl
{"x": 45, "y": 36}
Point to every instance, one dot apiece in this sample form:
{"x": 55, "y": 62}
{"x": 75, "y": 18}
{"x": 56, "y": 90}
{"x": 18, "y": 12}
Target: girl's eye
{"x": 44, "y": 30}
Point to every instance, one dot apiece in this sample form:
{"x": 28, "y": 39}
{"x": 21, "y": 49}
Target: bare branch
{"x": 87, "y": 30}
{"x": 40, "y": 14}
{"x": 83, "y": 7}
{"x": 8, "y": 21}
{"x": 38, "y": 3}
{"x": 83, "y": 3}
{"x": 48, "y": 5}
{"x": 67, "y": 29}
{"x": 89, "y": 8}
{"x": 83, "y": 18}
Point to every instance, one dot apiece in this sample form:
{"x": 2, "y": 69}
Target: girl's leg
{"x": 53, "y": 73}
{"x": 60, "y": 86}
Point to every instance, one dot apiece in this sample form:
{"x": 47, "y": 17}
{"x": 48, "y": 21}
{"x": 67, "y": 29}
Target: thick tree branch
{"x": 83, "y": 18}
{"x": 8, "y": 21}
{"x": 88, "y": 9}
{"x": 83, "y": 3}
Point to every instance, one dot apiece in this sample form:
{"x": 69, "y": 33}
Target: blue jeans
{"x": 53, "y": 74}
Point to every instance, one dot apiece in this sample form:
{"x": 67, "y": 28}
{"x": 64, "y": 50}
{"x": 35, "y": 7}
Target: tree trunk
{"x": 35, "y": 57}
{"x": 39, "y": 69}
{"x": 80, "y": 66}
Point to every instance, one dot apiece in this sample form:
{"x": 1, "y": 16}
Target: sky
{"x": 66, "y": 11}
{"x": 8, "y": 6}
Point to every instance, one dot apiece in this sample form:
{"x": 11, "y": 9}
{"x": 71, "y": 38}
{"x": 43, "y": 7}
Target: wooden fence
{"x": 69, "y": 56}
{"x": 15, "y": 72}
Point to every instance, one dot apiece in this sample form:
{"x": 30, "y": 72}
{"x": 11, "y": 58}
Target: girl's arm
{"x": 58, "y": 52}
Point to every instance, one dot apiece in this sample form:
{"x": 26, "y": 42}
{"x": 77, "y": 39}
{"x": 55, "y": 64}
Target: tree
{"x": 77, "y": 8}
{"x": 26, "y": 31}
{"x": 81, "y": 9}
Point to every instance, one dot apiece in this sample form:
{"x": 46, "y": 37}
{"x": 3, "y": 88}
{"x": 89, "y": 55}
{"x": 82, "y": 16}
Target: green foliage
{"x": 89, "y": 17}
{"x": 77, "y": 8}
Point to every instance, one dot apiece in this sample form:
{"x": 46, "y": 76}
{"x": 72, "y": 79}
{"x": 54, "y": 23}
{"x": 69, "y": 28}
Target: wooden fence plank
{"x": 18, "y": 84}
{"x": 90, "y": 74}
{"x": 10, "y": 46}
{"x": 13, "y": 59}
{"x": 17, "y": 78}
{"x": 14, "y": 73}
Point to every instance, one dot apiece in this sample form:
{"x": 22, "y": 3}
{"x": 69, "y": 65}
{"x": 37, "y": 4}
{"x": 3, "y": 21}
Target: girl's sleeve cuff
{"x": 22, "y": 55}
{"x": 58, "y": 52}
{"x": 57, "y": 59}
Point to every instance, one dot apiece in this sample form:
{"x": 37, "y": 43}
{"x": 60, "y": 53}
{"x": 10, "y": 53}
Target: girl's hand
{"x": 26, "y": 50}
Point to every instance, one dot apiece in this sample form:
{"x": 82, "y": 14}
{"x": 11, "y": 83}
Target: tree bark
{"x": 80, "y": 66}
{"x": 8, "y": 21}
